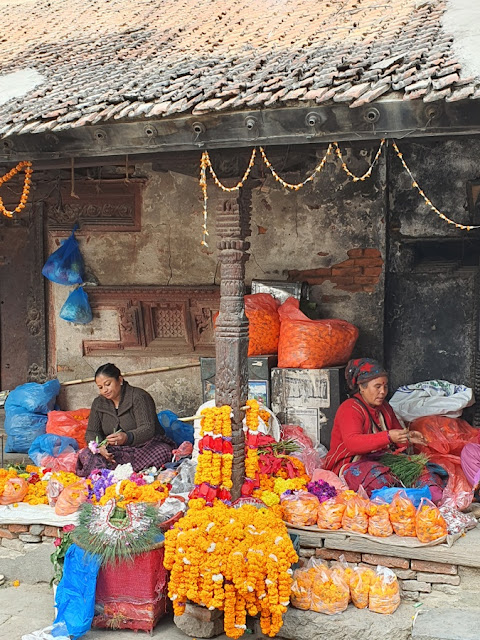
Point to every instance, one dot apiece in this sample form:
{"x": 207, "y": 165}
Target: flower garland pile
{"x": 251, "y": 448}
{"x": 213, "y": 478}
{"x": 234, "y": 560}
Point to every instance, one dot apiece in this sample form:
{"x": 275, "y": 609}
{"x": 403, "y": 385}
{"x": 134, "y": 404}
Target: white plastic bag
{"x": 57, "y": 631}
{"x": 431, "y": 398}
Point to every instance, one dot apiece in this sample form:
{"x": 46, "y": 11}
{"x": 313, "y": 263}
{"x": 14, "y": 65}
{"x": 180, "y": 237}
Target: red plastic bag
{"x": 15, "y": 490}
{"x": 261, "y": 310}
{"x": 312, "y": 344}
{"x": 458, "y": 493}
{"x": 63, "y": 462}
{"x": 72, "y": 424}
{"x": 444, "y": 435}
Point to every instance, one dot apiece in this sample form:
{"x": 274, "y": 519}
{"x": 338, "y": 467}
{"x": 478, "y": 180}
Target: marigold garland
{"x": 251, "y": 447}
{"x": 235, "y": 560}
{"x": 26, "y": 166}
{"x": 213, "y": 477}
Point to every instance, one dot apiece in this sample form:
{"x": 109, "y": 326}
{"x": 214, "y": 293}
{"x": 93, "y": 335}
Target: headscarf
{"x": 362, "y": 370}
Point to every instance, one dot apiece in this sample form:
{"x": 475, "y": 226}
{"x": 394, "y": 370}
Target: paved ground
{"x": 28, "y": 608}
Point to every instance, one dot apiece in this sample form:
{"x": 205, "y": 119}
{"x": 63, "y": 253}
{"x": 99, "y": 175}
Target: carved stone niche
{"x": 157, "y": 320}
{"x": 96, "y": 205}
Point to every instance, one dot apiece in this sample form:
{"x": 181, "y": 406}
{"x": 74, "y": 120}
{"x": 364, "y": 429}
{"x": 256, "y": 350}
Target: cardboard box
{"x": 309, "y": 398}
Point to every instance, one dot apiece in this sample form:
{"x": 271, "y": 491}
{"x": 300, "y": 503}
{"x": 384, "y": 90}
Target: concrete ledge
{"x": 447, "y": 624}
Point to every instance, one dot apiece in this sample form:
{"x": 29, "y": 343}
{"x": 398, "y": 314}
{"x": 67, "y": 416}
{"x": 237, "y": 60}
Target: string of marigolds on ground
{"x": 428, "y": 202}
{"x": 26, "y": 166}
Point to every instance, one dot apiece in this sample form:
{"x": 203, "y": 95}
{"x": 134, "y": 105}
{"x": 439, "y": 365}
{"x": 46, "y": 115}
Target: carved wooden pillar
{"x": 231, "y": 334}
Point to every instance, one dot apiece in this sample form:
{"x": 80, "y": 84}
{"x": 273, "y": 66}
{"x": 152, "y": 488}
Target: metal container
{"x": 309, "y": 398}
{"x": 259, "y": 368}
{"x": 281, "y": 290}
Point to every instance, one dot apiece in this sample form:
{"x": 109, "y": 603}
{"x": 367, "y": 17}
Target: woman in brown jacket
{"x": 124, "y": 418}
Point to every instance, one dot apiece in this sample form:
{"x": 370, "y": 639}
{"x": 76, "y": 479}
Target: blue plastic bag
{"x": 77, "y": 308}
{"x": 22, "y": 428}
{"x": 174, "y": 429}
{"x": 65, "y": 265}
{"x": 34, "y": 397}
{"x": 50, "y": 444}
{"x": 414, "y": 495}
{"x": 75, "y": 595}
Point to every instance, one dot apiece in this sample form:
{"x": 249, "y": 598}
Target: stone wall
{"x": 25, "y": 552}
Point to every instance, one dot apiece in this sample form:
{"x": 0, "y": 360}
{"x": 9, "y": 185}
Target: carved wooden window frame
{"x": 191, "y": 330}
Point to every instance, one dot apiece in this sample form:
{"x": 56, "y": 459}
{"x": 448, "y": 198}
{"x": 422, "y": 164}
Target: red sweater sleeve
{"x": 354, "y": 426}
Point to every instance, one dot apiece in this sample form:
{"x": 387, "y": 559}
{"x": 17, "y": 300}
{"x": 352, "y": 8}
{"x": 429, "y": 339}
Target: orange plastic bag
{"x": 355, "y": 517}
{"x": 301, "y": 594}
{"x": 361, "y": 579}
{"x": 330, "y": 514}
{"x": 261, "y": 310}
{"x": 379, "y": 519}
{"x": 71, "y": 498}
{"x": 444, "y": 435}
{"x": 384, "y": 596}
{"x": 14, "y": 491}
{"x": 312, "y": 344}
{"x": 300, "y": 508}
{"x": 72, "y": 424}
{"x": 403, "y": 515}
{"x": 430, "y": 523}
{"x": 330, "y": 593}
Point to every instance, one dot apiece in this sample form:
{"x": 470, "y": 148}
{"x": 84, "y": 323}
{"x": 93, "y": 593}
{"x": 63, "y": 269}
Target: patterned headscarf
{"x": 362, "y": 370}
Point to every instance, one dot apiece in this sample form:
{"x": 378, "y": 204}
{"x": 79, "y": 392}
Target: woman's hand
{"x": 398, "y": 436}
{"x": 106, "y": 454}
{"x": 415, "y": 437}
{"x": 117, "y": 439}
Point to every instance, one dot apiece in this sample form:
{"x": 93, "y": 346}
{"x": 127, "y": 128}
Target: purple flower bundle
{"x": 101, "y": 479}
{"x": 322, "y": 490}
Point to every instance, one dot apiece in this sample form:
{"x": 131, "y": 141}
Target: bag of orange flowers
{"x": 71, "y": 498}
{"x": 384, "y": 596}
{"x": 379, "y": 518}
{"x": 430, "y": 523}
{"x": 330, "y": 593}
{"x": 14, "y": 491}
{"x": 354, "y": 517}
{"x": 342, "y": 569}
{"x": 301, "y": 593}
{"x": 360, "y": 580}
{"x": 402, "y": 515}
{"x": 300, "y": 508}
{"x": 330, "y": 514}
{"x": 312, "y": 344}
{"x": 261, "y": 310}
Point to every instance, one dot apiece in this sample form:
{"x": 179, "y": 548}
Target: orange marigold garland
{"x": 235, "y": 560}
{"x": 251, "y": 448}
{"x": 26, "y": 166}
{"x": 213, "y": 478}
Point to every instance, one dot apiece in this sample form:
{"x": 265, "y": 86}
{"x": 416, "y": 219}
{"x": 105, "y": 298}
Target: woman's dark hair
{"x": 109, "y": 370}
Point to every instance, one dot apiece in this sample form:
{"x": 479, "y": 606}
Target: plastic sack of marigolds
{"x": 354, "y": 518}
{"x": 379, "y": 518}
{"x": 330, "y": 593}
{"x": 403, "y": 515}
{"x": 300, "y": 508}
{"x": 430, "y": 523}
{"x": 361, "y": 579}
{"x": 330, "y": 514}
{"x": 384, "y": 596}
{"x": 301, "y": 592}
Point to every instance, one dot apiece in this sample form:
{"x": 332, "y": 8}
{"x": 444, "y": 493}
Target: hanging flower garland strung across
{"x": 25, "y": 166}
{"x": 205, "y": 163}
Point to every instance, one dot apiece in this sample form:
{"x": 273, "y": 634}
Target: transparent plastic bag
{"x": 330, "y": 593}
{"x": 170, "y": 508}
{"x": 403, "y": 515}
{"x": 379, "y": 518}
{"x": 301, "y": 593}
{"x": 355, "y": 517}
{"x": 300, "y": 508}
{"x": 360, "y": 581}
{"x": 384, "y": 596}
{"x": 57, "y": 631}
{"x": 54, "y": 489}
{"x": 430, "y": 523}
{"x": 330, "y": 514}
{"x": 14, "y": 491}
{"x": 184, "y": 481}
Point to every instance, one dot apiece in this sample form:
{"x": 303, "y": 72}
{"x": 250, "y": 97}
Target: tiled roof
{"x": 106, "y": 60}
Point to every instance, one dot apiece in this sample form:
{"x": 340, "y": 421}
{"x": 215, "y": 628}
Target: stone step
{"x": 447, "y": 624}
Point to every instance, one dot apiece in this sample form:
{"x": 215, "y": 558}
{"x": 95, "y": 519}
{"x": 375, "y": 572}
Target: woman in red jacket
{"x": 365, "y": 428}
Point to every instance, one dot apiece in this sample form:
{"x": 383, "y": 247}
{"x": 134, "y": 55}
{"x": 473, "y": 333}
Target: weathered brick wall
{"x": 18, "y": 536}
